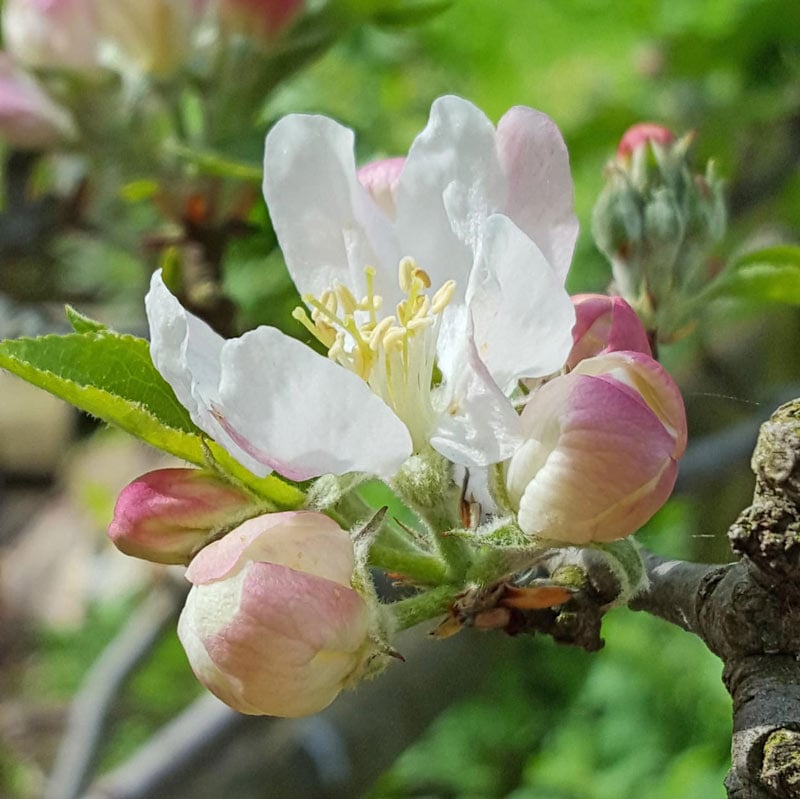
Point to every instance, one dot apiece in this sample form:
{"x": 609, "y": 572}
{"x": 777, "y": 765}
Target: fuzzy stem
{"x": 416, "y": 609}
{"x": 409, "y": 562}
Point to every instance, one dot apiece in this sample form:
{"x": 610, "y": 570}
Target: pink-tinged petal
{"x": 380, "y": 179}
{"x": 521, "y": 312}
{"x": 651, "y": 382}
{"x": 451, "y": 182}
{"x": 477, "y": 425}
{"x": 291, "y": 646}
{"x": 540, "y": 201}
{"x": 605, "y": 324}
{"x": 188, "y": 355}
{"x": 328, "y": 226}
{"x": 598, "y": 459}
{"x": 302, "y": 413}
{"x": 269, "y": 639}
{"x": 271, "y": 401}
{"x": 301, "y": 540}
{"x": 168, "y": 514}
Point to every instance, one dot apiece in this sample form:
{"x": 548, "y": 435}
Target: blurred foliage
{"x": 648, "y": 716}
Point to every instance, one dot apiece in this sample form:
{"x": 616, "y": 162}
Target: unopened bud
{"x": 166, "y": 516}
{"x": 640, "y": 135}
{"x": 658, "y": 223}
{"x": 272, "y": 625}
{"x": 600, "y": 451}
{"x": 603, "y": 324}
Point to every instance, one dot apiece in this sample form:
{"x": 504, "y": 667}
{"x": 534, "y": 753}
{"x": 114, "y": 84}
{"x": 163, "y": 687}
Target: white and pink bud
{"x": 380, "y": 179}
{"x": 642, "y": 134}
{"x": 167, "y": 515}
{"x": 600, "y": 452}
{"x": 271, "y": 625}
{"x": 605, "y": 324}
{"x": 29, "y": 119}
{"x": 52, "y": 34}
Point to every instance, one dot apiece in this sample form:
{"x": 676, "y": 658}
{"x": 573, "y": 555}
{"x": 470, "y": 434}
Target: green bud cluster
{"x": 658, "y": 223}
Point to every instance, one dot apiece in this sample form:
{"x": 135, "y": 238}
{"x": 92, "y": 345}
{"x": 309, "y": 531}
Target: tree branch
{"x": 748, "y": 613}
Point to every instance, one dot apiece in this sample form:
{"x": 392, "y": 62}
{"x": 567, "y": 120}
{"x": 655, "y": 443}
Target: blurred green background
{"x": 647, "y": 716}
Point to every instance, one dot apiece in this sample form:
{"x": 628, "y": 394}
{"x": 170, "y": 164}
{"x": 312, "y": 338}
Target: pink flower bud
{"x": 168, "y": 515}
{"x": 52, "y": 34}
{"x": 271, "y": 625}
{"x": 380, "y": 179}
{"x": 638, "y": 135}
{"x": 265, "y": 19}
{"x": 601, "y": 450}
{"x": 29, "y": 119}
{"x": 605, "y": 324}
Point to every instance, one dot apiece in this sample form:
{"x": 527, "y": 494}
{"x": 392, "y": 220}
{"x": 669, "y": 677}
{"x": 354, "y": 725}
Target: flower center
{"x": 395, "y": 355}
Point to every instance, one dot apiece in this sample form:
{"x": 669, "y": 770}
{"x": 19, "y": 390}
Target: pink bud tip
{"x": 605, "y": 324}
{"x": 167, "y": 515}
{"x": 638, "y": 135}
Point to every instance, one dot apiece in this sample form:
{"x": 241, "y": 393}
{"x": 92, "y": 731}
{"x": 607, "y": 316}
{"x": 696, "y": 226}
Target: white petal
{"x": 477, "y": 424}
{"x": 271, "y": 401}
{"x": 536, "y": 164}
{"x": 188, "y": 355}
{"x": 451, "y": 181}
{"x": 303, "y": 414}
{"x": 522, "y": 314}
{"x": 328, "y": 226}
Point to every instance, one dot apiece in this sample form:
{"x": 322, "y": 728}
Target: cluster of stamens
{"x": 393, "y": 354}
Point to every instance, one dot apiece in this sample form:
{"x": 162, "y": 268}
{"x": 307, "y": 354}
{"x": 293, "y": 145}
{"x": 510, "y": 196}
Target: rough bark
{"x": 748, "y": 613}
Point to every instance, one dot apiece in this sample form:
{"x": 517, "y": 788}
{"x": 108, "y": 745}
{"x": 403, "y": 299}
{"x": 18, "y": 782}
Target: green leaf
{"x": 111, "y": 376}
{"x": 770, "y": 275}
{"x": 81, "y": 323}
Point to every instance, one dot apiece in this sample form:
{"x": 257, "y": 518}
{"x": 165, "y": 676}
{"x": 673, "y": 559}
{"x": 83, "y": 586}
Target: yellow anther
{"x": 443, "y": 296}
{"x": 337, "y": 348}
{"x": 405, "y": 273}
{"x": 376, "y": 337}
{"x": 346, "y": 299}
{"x": 422, "y": 276}
{"x": 423, "y": 307}
{"x": 328, "y": 300}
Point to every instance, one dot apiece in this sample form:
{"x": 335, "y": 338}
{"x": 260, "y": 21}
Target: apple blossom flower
{"x": 601, "y": 450}
{"x": 29, "y": 119}
{"x": 167, "y": 515}
{"x": 436, "y": 303}
{"x": 605, "y": 324}
{"x": 271, "y": 625}
{"x": 52, "y": 34}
